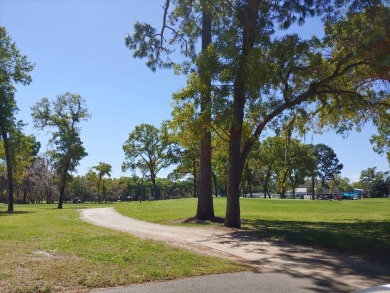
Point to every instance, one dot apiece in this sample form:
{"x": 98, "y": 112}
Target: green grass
{"x": 44, "y": 249}
{"x": 359, "y": 227}
{"x": 49, "y": 250}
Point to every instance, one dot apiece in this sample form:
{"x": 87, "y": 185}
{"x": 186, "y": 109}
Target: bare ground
{"x": 333, "y": 272}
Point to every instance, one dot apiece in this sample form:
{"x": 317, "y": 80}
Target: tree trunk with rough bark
{"x": 233, "y": 219}
{"x": 205, "y": 209}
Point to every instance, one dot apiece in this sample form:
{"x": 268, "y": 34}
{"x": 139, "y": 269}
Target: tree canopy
{"x": 327, "y": 162}
{"x": 149, "y": 150}
{"x": 97, "y": 173}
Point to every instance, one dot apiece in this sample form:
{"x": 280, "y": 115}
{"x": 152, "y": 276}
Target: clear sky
{"x": 78, "y": 46}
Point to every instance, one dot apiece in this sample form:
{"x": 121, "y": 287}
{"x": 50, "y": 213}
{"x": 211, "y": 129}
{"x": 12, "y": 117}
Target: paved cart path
{"x": 328, "y": 272}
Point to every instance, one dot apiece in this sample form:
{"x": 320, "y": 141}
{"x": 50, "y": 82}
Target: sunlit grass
{"x": 360, "y": 227}
{"x": 47, "y": 250}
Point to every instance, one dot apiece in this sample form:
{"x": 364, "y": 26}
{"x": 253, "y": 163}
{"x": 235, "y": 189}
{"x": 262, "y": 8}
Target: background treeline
{"x": 276, "y": 166}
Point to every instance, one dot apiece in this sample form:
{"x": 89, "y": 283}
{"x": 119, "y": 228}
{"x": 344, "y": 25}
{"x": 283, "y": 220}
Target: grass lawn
{"x": 44, "y": 249}
{"x": 359, "y": 227}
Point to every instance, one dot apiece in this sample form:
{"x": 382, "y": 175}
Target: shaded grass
{"x": 49, "y": 250}
{"x": 358, "y": 227}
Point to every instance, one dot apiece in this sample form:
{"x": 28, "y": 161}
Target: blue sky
{"x": 78, "y": 46}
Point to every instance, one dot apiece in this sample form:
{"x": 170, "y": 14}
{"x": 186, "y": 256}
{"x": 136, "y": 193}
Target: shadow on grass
{"x": 6, "y": 213}
{"x": 337, "y": 257}
{"x": 363, "y": 238}
{"x": 217, "y": 220}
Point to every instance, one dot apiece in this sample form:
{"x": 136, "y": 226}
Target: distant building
{"x": 299, "y": 192}
{"x": 305, "y": 193}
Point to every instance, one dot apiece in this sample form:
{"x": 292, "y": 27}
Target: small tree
{"x": 101, "y": 170}
{"x": 62, "y": 117}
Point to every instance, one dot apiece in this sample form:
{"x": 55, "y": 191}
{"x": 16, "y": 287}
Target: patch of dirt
{"x": 341, "y": 272}
{"x": 46, "y": 254}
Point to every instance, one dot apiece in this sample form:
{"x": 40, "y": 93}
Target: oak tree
{"x": 148, "y": 149}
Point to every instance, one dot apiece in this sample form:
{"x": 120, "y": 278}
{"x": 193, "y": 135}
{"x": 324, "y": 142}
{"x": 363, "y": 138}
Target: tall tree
{"x": 304, "y": 80}
{"x": 182, "y": 26}
{"x": 148, "y": 149}
{"x": 25, "y": 148}
{"x": 327, "y": 162}
{"x": 205, "y": 209}
{"x": 14, "y": 69}
{"x": 62, "y": 117}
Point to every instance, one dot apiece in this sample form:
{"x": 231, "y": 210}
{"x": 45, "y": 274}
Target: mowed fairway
{"x": 44, "y": 249}
{"x": 360, "y": 227}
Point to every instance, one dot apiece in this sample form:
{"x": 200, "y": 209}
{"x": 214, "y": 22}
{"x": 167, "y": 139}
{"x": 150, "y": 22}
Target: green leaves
{"x": 327, "y": 162}
{"x": 62, "y": 117}
{"x": 147, "y": 148}
{"x": 14, "y": 67}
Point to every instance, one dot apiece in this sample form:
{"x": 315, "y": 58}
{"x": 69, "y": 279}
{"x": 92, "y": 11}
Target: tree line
{"x": 246, "y": 78}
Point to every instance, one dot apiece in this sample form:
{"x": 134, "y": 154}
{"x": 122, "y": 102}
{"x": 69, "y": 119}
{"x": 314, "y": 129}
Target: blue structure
{"x": 355, "y": 194}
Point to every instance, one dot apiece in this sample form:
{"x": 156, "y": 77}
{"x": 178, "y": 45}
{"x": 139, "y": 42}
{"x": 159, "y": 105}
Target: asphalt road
{"x": 245, "y": 282}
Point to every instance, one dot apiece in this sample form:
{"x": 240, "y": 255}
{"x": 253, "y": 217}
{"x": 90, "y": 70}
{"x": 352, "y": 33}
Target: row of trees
{"x": 40, "y": 183}
{"x": 249, "y": 76}
{"x": 278, "y": 163}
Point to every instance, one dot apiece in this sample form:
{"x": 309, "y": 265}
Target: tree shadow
{"x": 6, "y": 213}
{"x": 328, "y": 270}
{"x": 330, "y": 254}
{"x": 362, "y": 238}
{"x": 218, "y": 220}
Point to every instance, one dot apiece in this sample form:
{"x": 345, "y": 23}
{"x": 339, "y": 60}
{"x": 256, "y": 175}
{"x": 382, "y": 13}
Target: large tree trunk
{"x": 9, "y": 169}
{"x": 63, "y": 184}
{"x": 234, "y": 175}
{"x": 235, "y": 163}
{"x": 205, "y": 210}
